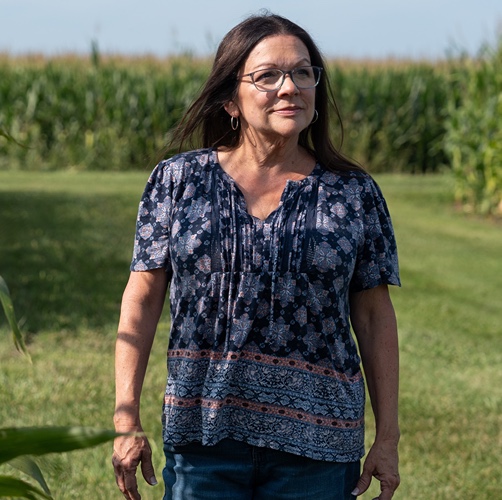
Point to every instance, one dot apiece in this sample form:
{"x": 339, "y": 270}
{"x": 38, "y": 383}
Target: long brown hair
{"x": 207, "y": 124}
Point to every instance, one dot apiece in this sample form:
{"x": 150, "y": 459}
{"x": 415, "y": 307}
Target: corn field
{"x": 70, "y": 113}
{"x": 102, "y": 113}
{"x": 474, "y": 134}
{"x": 393, "y": 116}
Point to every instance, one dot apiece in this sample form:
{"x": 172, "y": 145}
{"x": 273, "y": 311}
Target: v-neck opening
{"x": 284, "y": 195}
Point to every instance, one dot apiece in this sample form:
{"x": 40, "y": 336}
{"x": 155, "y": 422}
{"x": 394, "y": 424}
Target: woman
{"x": 272, "y": 245}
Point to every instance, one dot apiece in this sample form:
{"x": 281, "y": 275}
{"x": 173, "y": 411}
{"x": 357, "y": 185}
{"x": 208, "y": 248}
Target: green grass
{"x": 449, "y": 317}
{"x": 65, "y": 245}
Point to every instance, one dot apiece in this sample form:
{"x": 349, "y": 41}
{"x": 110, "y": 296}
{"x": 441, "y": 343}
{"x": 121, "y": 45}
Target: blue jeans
{"x": 233, "y": 470}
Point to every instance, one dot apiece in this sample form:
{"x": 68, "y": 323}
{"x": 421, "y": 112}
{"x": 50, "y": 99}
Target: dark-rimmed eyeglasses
{"x": 271, "y": 79}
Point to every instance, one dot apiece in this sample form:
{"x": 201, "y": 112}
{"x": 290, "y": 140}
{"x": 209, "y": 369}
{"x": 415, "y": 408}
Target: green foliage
{"x": 12, "y": 487}
{"x": 8, "y": 308}
{"x": 117, "y": 115}
{"x": 394, "y": 116}
{"x": 474, "y": 134}
{"x": 29, "y": 467}
{"x": 111, "y": 115}
{"x": 16, "y": 443}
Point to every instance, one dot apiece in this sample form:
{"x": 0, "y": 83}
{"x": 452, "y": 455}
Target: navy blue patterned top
{"x": 260, "y": 346}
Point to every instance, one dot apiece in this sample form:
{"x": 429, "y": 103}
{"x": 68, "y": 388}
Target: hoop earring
{"x": 316, "y": 117}
{"x": 234, "y": 122}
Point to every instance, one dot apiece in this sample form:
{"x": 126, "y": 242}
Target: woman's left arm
{"x": 374, "y": 324}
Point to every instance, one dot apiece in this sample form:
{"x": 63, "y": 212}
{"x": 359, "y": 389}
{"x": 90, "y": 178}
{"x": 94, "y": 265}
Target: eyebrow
{"x": 269, "y": 65}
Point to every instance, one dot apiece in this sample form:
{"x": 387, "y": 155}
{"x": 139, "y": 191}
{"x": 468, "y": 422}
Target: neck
{"x": 262, "y": 174}
{"x": 269, "y": 159}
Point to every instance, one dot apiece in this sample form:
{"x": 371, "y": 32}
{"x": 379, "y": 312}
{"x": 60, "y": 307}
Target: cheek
{"x": 310, "y": 98}
{"x": 256, "y": 105}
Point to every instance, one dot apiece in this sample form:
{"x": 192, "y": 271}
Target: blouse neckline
{"x": 290, "y": 187}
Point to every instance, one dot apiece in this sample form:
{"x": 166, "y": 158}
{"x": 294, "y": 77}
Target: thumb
{"x": 147, "y": 469}
{"x": 363, "y": 483}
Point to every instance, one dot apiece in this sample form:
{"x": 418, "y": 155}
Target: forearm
{"x": 376, "y": 330}
{"x": 132, "y": 352}
{"x": 381, "y": 368}
{"x": 140, "y": 311}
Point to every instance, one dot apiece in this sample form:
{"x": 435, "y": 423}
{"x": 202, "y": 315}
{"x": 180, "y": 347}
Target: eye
{"x": 305, "y": 71}
{"x": 267, "y": 74}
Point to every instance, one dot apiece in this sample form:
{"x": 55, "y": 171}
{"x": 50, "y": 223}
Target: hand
{"x": 381, "y": 462}
{"x": 128, "y": 452}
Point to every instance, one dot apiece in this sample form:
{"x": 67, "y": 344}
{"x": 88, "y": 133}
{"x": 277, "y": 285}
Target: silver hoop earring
{"x": 316, "y": 116}
{"x": 234, "y": 122}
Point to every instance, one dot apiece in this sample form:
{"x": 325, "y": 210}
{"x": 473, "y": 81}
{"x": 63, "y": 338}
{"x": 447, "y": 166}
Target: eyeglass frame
{"x": 284, "y": 73}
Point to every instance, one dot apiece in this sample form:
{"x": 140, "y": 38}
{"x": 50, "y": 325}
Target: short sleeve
{"x": 151, "y": 244}
{"x": 377, "y": 260}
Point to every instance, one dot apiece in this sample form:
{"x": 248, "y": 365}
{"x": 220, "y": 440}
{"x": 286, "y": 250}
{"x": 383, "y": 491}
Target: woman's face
{"x": 280, "y": 114}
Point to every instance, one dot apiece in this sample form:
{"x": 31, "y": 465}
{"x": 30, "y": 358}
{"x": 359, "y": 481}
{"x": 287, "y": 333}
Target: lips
{"x": 292, "y": 110}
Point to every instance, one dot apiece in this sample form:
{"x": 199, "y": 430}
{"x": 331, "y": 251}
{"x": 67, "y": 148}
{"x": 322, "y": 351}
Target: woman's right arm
{"x": 141, "y": 308}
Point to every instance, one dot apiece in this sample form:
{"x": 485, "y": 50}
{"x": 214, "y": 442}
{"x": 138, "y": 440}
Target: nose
{"x": 288, "y": 85}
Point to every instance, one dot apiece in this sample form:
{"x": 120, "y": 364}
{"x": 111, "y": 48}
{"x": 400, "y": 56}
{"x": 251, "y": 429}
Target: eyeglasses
{"x": 271, "y": 79}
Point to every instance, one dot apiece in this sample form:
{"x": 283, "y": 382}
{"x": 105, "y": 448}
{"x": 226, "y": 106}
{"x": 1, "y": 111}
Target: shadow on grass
{"x": 66, "y": 257}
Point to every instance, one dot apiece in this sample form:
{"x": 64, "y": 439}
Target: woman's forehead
{"x": 277, "y": 50}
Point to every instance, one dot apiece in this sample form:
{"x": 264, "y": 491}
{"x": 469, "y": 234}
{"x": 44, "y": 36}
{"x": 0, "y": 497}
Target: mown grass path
{"x": 65, "y": 245}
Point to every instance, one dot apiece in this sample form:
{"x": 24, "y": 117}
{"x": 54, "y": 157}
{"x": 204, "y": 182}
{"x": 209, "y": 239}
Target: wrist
{"x": 389, "y": 437}
{"x": 127, "y": 427}
{"x": 126, "y": 421}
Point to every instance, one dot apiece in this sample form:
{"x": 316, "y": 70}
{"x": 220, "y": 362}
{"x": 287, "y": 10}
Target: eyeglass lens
{"x": 303, "y": 77}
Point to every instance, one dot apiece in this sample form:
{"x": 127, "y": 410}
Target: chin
{"x": 290, "y": 129}
{"x": 292, "y": 132}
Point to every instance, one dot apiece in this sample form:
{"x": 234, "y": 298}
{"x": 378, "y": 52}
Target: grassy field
{"x": 65, "y": 244}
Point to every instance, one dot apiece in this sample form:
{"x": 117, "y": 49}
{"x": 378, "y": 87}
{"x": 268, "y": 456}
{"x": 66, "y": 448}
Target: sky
{"x": 374, "y": 29}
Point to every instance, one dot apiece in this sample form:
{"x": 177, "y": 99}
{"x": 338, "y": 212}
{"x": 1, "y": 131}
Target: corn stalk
{"x": 474, "y": 134}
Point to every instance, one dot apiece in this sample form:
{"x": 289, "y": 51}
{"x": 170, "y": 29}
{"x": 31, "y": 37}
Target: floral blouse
{"x": 260, "y": 346}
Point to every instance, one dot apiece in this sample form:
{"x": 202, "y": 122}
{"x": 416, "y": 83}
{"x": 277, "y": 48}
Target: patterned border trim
{"x": 279, "y": 411}
{"x": 265, "y": 359}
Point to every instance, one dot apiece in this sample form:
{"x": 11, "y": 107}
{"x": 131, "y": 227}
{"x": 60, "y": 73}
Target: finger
{"x": 119, "y": 479}
{"x": 388, "y": 486}
{"x": 148, "y": 470}
{"x": 119, "y": 476}
{"x": 384, "y": 495}
{"x": 363, "y": 483}
{"x": 131, "y": 484}
{"x": 125, "y": 477}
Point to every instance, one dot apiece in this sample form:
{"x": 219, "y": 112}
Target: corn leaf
{"x": 8, "y": 308}
{"x": 4, "y": 133}
{"x": 12, "y": 487}
{"x": 15, "y": 442}
{"x": 29, "y": 467}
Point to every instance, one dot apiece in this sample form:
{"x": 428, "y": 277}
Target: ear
{"x": 232, "y": 109}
